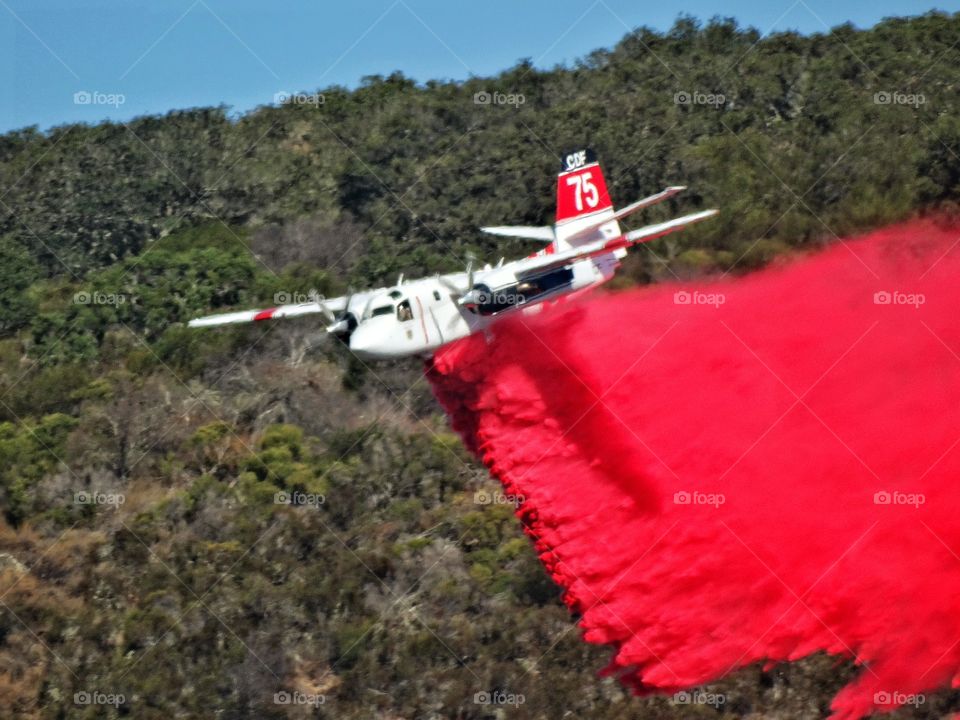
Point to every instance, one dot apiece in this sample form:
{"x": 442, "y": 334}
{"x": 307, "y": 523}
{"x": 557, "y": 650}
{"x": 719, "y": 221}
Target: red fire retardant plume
{"x": 720, "y": 473}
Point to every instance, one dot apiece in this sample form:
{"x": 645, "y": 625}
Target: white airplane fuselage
{"x": 585, "y": 246}
{"x": 423, "y": 315}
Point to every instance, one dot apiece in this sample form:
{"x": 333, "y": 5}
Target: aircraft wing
{"x": 329, "y": 308}
{"x": 598, "y": 247}
{"x": 245, "y": 316}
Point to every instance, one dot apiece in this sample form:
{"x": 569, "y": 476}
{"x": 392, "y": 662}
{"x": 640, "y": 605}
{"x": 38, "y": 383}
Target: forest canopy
{"x": 148, "y": 544}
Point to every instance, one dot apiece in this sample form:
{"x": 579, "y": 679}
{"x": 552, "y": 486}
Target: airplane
{"x": 416, "y": 317}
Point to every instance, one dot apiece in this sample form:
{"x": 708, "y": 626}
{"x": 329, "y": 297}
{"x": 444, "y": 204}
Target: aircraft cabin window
{"x": 382, "y": 310}
{"x": 404, "y": 312}
{"x": 436, "y": 295}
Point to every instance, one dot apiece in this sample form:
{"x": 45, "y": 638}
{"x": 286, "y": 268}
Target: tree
{"x": 17, "y": 272}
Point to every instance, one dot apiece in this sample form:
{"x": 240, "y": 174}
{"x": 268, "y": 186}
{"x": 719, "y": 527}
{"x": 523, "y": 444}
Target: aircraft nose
{"x": 362, "y": 341}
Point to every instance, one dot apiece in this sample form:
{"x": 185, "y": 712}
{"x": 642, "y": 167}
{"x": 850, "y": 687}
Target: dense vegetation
{"x": 144, "y": 549}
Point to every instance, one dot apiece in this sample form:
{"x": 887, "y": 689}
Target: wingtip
{"x": 706, "y": 214}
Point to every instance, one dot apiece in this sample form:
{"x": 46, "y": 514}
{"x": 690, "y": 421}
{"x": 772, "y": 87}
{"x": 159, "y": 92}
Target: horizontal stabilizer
{"x": 648, "y": 201}
{"x": 650, "y": 232}
{"x": 625, "y": 211}
{"x": 525, "y": 232}
{"x": 603, "y": 245}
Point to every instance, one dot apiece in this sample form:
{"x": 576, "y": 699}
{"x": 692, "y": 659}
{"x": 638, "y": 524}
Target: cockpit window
{"x": 396, "y": 294}
{"x": 404, "y": 311}
{"x": 382, "y": 310}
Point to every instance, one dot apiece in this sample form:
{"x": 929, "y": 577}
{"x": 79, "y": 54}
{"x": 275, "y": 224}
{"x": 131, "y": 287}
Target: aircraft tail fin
{"x": 584, "y": 210}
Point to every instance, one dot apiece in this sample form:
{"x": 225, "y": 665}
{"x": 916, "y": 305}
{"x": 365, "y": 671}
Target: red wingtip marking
{"x": 264, "y": 314}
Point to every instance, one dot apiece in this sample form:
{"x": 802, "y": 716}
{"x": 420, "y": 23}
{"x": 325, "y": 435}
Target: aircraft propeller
{"x": 453, "y": 287}
{"x": 339, "y": 325}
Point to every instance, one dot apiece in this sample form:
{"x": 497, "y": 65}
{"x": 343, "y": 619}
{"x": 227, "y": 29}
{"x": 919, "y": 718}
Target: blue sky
{"x": 165, "y": 54}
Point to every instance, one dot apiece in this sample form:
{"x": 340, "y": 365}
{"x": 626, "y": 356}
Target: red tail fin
{"x": 581, "y": 189}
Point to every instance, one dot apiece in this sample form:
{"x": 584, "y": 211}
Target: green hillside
{"x": 146, "y": 548}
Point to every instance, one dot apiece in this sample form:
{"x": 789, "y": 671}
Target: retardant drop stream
{"x": 720, "y": 473}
